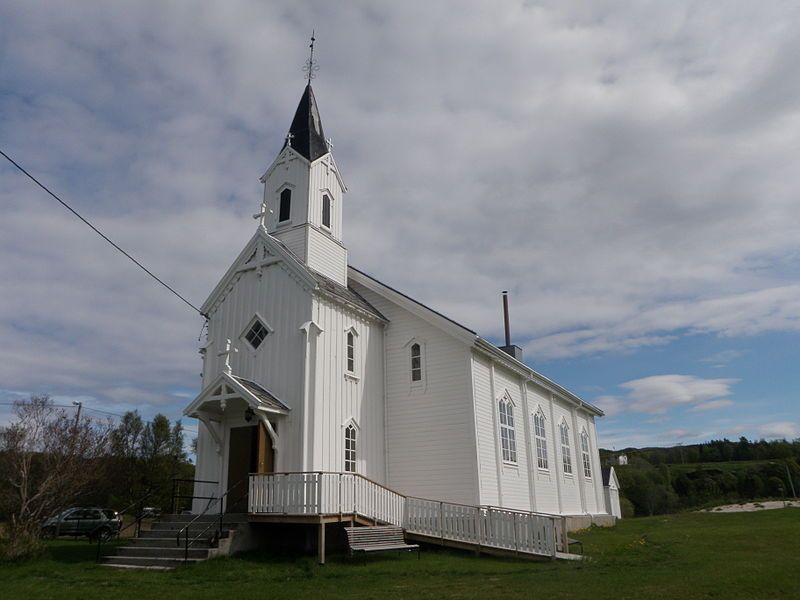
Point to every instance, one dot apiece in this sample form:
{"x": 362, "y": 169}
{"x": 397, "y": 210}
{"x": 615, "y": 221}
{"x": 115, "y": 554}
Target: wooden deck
{"x": 322, "y": 497}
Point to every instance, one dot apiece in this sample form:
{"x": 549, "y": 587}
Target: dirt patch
{"x": 753, "y": 506}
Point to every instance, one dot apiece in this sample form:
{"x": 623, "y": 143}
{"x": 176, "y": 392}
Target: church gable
{"x": 261, "y": 253}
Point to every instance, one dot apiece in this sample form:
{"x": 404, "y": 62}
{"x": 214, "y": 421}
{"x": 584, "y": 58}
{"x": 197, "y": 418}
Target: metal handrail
{"x": 137, "y": 521}
{"x": 179, "y": 480}
{"x": 185, "y": 529}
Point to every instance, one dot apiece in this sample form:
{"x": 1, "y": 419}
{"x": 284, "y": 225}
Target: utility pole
{"x": 78, "y": 412}
{"x": 789, "y": 477}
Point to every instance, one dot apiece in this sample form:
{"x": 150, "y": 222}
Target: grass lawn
{"x": 692, "y": 555}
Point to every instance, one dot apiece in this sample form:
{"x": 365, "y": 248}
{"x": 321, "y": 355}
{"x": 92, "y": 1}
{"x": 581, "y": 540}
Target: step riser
{"x": 163, "y": 543}
{"x": 166, "y": 533}
{"x": 160, "y": 552}
{"x": 130, "y": 561}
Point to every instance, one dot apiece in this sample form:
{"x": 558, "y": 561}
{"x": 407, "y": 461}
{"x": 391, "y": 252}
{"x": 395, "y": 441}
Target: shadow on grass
{"x": 77, "y": 551}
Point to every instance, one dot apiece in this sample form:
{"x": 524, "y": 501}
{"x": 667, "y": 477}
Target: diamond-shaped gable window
{"x": 256, "y": 334}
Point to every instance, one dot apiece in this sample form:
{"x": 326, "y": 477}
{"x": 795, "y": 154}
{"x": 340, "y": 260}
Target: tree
{"x": 46, "y": 462}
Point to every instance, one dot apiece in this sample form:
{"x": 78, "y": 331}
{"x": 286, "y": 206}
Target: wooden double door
{"x": 249, "y": 451}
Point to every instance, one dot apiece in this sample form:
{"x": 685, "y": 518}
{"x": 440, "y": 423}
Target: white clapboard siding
{"x": 429, "y": 426}
{"x": 326, "y": 256}
{"x": 544, "y": 480}
{"x": 515, "y": 488}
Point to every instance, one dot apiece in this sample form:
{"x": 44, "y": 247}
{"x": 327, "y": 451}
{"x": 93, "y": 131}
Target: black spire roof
{"x": 306, "y": 133}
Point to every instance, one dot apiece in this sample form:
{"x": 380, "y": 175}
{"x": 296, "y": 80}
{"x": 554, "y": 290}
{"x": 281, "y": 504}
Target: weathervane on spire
{"x": 311, "y": 67}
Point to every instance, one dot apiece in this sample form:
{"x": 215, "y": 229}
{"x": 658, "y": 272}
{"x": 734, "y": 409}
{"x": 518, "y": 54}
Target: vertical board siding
{"x": 339, "y": 398}
{"x": 278, "y": 363}
{"x": 430, "y": 432}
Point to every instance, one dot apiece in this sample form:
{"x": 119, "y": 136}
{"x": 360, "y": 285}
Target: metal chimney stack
{"x": 509, "y": 348}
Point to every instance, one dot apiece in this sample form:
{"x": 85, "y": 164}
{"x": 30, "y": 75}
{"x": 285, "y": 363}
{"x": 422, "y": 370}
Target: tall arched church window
{"x": 416, "y": 362}
{"x": 585, "y": 456}
{"x": 326, "y": 211}
{"x": 285, "y": 208}
{"x": 508, "y": 438}
{"x": 351, "y": 352}
{"x": 350, "y": 449}
{"x": 540, "y": 433}
{"x": 566, "y": 454}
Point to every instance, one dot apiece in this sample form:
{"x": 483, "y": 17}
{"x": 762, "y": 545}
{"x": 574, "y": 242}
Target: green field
{"x": 685, "y": 556}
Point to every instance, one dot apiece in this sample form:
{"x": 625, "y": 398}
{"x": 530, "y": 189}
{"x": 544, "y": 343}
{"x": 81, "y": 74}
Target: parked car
{"x": 151, "y": 512}
{"x": 103, "y": 523}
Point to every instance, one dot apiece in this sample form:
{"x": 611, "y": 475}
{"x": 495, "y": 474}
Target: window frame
{"x": 566, "y": 452}
{"x": 351, "y": 354}
{"x": 418, "y": 368}
{"x": 326, "y": 196}
{"x": 507, "y": 429}
{"x": 350, "y": 447}
{"x": 257, "y": 318}
{"x": 540, "y": 439}
{"x": 586, "y": 456}
{"x": 281, "y": 194}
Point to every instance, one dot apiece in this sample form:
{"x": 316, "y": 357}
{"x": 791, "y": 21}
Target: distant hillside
{"x": 662, "y": 480}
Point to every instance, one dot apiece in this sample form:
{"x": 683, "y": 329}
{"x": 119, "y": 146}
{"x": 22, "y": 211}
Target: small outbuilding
{"x": 611, "y": 492}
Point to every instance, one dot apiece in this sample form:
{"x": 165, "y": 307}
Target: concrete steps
{"x": 159, "y": 548}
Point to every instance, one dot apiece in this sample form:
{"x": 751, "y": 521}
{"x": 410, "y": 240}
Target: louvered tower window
{"x": 285, "y": 208}
{"x": 326, "y": 211}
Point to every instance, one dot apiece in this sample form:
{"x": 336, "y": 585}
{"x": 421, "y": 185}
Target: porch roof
{"x": 227, "y": 386}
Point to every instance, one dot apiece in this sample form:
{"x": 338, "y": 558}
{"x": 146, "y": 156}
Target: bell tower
{"x": 303, "y": 194}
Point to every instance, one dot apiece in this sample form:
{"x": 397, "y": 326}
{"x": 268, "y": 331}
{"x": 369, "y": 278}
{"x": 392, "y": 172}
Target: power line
{"x": 101, "y": 234}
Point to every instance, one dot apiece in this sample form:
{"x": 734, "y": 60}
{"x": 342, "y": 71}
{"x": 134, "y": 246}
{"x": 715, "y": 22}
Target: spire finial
{"x": 311, "y": 67}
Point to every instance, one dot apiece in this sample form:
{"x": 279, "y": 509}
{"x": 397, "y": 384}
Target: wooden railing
{"x": 326, "y": 493}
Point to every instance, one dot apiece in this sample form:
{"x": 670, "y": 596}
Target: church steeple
{"x": 305, "y": 134}
{"x": 303, "y": 193}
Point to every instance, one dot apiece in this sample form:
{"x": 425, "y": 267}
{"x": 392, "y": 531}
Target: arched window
{"x": 587, "y": 463}
{"x": 508, "y": 439}
{"x": 416, "y": 362}
{"x": 350, "y": 449}
{"x": 351, "y": 352}
{"x": 285, "y": 209}
{"x": 326, "y": 211}
{"x": 566, "y": 454}
{"x": 540, "y": 433}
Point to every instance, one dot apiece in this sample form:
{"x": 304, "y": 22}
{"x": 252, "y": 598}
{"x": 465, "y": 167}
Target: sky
{"x": 627, "y": 171}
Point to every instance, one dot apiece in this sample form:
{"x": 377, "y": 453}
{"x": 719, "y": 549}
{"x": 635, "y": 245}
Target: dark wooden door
{"x": 242, "y": 460}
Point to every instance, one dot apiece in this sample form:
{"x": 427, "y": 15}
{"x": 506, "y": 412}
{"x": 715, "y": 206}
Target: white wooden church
{"x": 315, "y": 372}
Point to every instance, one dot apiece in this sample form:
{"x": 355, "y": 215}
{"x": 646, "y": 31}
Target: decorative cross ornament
{"x": 289, "y": 137}
{"x": 227, "y": 354}
{"x": 263, "y": 213}
{"x": 329, "y": 144}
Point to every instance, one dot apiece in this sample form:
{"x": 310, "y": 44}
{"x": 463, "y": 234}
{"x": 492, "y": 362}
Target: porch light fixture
{"x": 249, "y": 414}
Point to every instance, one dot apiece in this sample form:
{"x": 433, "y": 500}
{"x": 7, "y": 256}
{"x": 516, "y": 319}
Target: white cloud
{"x": 779, "y": 430}
{"x": 712, "y": 405}
{"x": 658, "y": 394}
{"x": 721, "y": 359}
{"x": 630, "y": 187}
